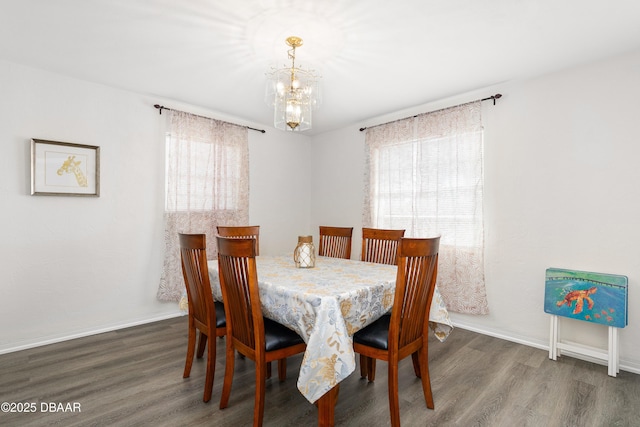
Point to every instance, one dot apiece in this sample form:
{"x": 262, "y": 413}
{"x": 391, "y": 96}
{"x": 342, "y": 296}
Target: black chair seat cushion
{"x": 221, "y": 318}
{"x": 278, "y": 336}
{"x": 375, "y": 335}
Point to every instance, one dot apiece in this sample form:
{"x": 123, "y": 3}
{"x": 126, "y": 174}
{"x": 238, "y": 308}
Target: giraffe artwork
{"x": 73, "y": 166}
{"x": 64, "y": 168}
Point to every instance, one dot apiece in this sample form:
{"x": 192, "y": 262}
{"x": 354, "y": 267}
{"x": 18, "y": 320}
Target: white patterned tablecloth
{"x": 326, "y": 305}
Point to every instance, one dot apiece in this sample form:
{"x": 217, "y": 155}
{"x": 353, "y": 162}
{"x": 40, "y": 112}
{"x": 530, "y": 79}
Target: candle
{"x": 304, "y": 254}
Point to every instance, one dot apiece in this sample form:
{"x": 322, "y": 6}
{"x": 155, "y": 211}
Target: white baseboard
{"x": 81, "y": 334}
{"x": 625, "y": 365}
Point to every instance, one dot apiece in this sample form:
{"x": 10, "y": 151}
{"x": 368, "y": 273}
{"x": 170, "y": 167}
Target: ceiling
{"x": 375, "y": 56}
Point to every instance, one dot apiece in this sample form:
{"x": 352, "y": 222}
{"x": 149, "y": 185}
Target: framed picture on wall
{"x": 64, "y": 169}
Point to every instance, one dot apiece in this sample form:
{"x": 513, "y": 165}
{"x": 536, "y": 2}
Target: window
{"x": 426, "y": 190}
{"x": 425, "y": 175}
{"x": 206, "y": 183}
{"x": 192, "y": 166}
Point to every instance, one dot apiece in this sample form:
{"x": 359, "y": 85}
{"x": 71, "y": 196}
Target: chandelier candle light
{"x": 304, "y": 254}
{"x": 293, "y": 92}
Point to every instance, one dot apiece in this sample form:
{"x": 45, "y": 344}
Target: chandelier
{"x": 293, "y": 92}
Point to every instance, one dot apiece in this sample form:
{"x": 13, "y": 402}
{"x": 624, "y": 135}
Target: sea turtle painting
{"x": 588, "y": 296}
{"x": 579, "y": 297}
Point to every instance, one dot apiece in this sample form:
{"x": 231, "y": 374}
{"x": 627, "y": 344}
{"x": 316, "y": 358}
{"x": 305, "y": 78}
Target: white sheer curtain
{"x": 207, "y": 184}
{"x": 425, "y": 174}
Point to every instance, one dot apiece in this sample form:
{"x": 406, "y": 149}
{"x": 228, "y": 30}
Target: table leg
{"x": 326, "y": 407}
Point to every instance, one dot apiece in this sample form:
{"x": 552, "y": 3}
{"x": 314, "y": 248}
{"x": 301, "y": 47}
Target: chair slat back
{"x": 245, "y": 231}
{"x": 415, "y": 283}
{"x": 335, "y": 242}
{"x": 239, "y": 285}
{"x": 380, "y": 246}
{"x": 196, "y": 277}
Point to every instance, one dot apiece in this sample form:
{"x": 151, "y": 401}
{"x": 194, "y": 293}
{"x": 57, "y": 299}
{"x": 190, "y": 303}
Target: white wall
{"x": 72, "y": 266}
{"x": 338, "y": 183}
{"x": 280, "y": 199}
{"x": 561, "y": 190}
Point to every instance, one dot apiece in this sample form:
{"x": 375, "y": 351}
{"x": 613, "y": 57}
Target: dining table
{"x": 326, "y": 305}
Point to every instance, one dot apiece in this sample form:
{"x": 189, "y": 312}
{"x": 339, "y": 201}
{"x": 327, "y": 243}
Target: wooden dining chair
{"x": 404, "y": 332}
{"x": 243, "y": 231}
{"x": 380, "y": 246}
{"x": 252, "y": 231}
{"x": 258, "y": 338}
{"x": 205, "y": 315}
{"x": 335, "y": 242}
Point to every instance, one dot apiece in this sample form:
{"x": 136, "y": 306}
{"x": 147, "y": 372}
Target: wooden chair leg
{"x": 268, "y": 370}
{"x": 394, "y": 405}
{"x": 191, "y": 347}
{"x": 415, "y": 357}
{"x": 258, "y": 409}
{"x": 426, "y": 380}
{"x": 363, "y": 366}
{"x": 202, "y": 343}
{"x": 211, "y": 369}
{"x": 282, "y": 369}
{"x": 371, "y": 369}
{"x": 228, "y": 374}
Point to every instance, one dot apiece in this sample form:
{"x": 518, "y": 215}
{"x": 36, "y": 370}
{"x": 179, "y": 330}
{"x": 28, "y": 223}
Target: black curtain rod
{"x": 162, "y": 107}
{"x": 493, "y": 97}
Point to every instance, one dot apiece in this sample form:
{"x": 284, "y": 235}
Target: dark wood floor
{"x": 133, "y": 377}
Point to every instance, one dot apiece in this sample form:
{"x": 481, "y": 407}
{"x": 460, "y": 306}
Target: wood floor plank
{"x": 134, "y": 377}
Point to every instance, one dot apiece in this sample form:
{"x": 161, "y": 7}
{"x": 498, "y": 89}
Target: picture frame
{"x": 64, "y": 169}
